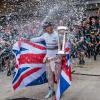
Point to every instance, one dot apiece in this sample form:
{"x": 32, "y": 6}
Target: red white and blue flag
{"x": 65, "y": 76}
{"x": 29, "y": 69}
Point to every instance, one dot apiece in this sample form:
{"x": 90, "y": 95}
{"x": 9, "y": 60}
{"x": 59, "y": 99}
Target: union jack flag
{"x": 29, "y": 69}
{"x": 65, "y": 76}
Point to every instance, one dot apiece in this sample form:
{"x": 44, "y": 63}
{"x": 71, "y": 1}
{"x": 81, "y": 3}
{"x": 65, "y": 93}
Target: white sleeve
{"x": 38, "y": 39}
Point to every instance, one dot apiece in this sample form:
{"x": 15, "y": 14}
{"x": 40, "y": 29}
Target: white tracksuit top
{"x": 51, "y": 43}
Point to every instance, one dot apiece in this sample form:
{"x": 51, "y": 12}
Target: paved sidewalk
{"x": 5, "y": 86}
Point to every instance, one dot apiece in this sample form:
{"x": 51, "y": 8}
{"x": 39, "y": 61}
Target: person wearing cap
{"x": 51, "y": 39}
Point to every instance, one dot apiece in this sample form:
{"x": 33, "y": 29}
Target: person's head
{"x": 77, "y": 29}
{"x": 84, "y": 23}
{"x": 87, "y": 26}
{"x": 81, "y": 39}
{"x": 48, "y": 27}
{"x": 99, "y": 21}
{"x": 92, "y": 34}
{"x": 93, "y": 20}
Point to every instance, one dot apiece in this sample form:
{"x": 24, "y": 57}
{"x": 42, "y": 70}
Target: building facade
{"x": 92, "y": 7}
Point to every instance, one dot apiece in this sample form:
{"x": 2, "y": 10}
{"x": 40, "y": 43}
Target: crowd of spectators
{"x": 89, "y": 29}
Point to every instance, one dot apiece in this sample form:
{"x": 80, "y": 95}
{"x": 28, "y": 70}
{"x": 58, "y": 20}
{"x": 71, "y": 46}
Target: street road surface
{"x": 85, "y": 85}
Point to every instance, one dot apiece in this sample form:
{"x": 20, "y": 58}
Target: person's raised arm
{"x": 38, "y": 39}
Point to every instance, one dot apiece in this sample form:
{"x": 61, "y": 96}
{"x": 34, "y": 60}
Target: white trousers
{"x": 53, "y": 67}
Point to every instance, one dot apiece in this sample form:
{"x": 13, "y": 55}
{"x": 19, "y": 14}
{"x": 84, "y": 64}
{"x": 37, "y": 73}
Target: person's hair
{"x": 47, "y": 24}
